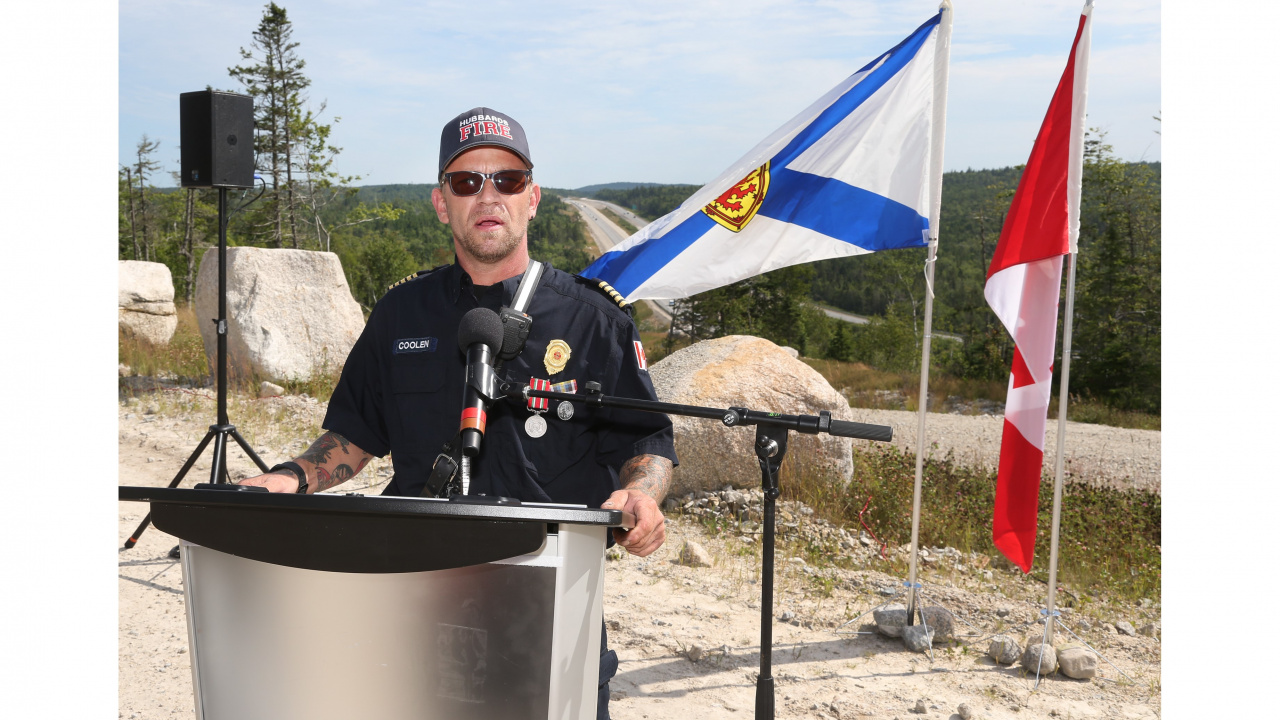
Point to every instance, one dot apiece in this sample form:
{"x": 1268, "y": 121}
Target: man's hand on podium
{"x": 645, "y": 480}
{"x": 277, "y": 482}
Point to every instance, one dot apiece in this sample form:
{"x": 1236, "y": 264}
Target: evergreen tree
{"x": 1116, "y": 340}
{"x": 140, "y": 211}
{"x": 772, "y": 306}
{"x": 276, "y": 82}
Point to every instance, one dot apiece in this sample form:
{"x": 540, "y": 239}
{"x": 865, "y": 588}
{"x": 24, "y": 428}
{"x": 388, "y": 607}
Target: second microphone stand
{"x": 770, "y": 446}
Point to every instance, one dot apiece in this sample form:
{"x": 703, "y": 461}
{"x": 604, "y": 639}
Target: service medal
{"x": 557, "y": 356}
{"x": 535, "y": 426}
{"x": 564, "y": 410}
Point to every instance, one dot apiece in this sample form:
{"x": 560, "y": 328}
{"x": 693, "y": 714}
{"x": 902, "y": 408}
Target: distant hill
{"x": 404, "y": 192}
{"x": 590, "y": 190}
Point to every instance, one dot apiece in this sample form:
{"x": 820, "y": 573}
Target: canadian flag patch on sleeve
{"x": 641, "y": 362}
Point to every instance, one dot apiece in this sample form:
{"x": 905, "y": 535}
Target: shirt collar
{"x": 459, "y": 284}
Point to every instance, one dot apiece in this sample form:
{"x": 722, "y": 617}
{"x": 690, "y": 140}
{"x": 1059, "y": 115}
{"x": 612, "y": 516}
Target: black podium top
{"x": 359, "y": 533}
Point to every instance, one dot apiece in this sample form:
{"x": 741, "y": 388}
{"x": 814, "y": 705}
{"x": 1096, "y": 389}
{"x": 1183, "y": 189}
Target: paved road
{"x": 622, "y": 212}
{"x": 606, "y": 234}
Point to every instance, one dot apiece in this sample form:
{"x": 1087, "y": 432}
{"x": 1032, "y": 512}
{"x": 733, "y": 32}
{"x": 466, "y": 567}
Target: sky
{"x": 662, "y": 91}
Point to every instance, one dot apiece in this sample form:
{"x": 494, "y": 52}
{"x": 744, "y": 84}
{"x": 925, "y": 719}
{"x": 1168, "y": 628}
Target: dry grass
{"x": 183, "y": 360}
{"x": 1110, "y": 538}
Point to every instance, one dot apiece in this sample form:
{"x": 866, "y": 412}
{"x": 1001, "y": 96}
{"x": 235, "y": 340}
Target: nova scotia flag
{"x": 851, "y": 174}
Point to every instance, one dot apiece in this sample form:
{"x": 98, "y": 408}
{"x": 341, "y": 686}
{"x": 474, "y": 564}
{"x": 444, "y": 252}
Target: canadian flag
{"x": 1022, "y": 288}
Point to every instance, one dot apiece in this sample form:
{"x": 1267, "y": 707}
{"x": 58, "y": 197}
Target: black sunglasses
{"x": 470, "y": 182}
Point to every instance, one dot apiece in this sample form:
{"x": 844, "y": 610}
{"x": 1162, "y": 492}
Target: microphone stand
{"x": 770, "y": 447}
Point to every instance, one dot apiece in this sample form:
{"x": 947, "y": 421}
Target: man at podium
{"x": 401, "y": 390}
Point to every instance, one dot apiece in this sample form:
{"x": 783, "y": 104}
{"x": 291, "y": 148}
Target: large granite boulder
{"x": 289, "y": 312}
{"x": 744, "y": 371}
{"x": 146, "y": 301}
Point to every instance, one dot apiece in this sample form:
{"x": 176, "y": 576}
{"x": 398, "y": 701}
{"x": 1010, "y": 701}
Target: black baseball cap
{"x": 478, "y": 127}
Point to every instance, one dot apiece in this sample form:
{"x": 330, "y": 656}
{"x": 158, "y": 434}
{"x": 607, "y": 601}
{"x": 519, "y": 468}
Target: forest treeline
{"x": 1116, "y": 341}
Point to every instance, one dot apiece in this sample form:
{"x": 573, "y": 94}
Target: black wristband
{"x": 296, "y": 469}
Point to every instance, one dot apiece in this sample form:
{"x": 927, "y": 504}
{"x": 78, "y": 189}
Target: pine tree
{"x": 276, "y": 82}
{"x": 139, "y": 192}
{"x": 1116, "y": 340}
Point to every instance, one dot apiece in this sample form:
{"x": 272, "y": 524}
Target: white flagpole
{"x": 942, "y": 55}
{"x": 1075, "y": 176}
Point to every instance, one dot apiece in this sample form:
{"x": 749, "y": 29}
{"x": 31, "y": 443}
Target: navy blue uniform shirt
{"x": 401, "y": 390}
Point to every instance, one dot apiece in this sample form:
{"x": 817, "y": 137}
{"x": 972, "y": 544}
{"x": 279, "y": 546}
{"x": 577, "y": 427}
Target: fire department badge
{"x": 557, "y": 356}
{"x": 735, "y": 208}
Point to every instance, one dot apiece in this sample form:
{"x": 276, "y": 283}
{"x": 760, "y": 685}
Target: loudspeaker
{"x": 217, "y": 139}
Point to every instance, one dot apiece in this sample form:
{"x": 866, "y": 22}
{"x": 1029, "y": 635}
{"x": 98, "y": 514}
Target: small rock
{"x": 917, "y": 638}
{"x": 940, "y": 621}
{"x": 890, "y": 619}
{"x": 1149, "y": 630}
{"x": 1004, "y": 650}
{"x": 1076, "y": 661}
{"x": 1040, "y": 657}
{"x": 182, "y": 650}
{"x": 125, "y": 370}
{"x": 965, "y": 712}
{"x": 694, "y": 555}
{"x": 616, "y": 695}
{"x": 670, "y": 505}
{"x": 1083, "y": 625}
{"x": 269, "y": 389}
{"x": 791, "y": 351}
{"x": 694, "y": 653}
{"x": 987, "y": 575}
{"x": 1003, "y": 612}
{"x": 786, "y": 616}
{"x": 888, "y": 591}
{"x": 920, "y": 709}
{"x": 1124, "y": 627}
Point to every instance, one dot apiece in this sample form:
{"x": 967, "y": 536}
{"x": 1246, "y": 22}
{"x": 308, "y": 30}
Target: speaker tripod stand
{"x": 219, "y": 433}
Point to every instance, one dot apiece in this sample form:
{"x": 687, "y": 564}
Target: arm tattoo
{"x": 333, "y": 448}
{"x": 650, "y": 474}
{"x": 318, "y": 453}
{"x": 323, "y": 480}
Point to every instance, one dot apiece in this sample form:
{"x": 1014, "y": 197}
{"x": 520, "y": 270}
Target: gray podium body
{"x": 295, "y": 635}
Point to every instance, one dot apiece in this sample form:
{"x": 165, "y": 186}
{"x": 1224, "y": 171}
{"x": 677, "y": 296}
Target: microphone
{"x": 481, "y": 334}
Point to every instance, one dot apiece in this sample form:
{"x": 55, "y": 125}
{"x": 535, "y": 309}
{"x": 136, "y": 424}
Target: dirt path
{"x": 659, "y": 610}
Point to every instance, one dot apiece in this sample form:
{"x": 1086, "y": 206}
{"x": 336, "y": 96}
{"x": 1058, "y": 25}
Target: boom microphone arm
{"x": 731, "y": 416}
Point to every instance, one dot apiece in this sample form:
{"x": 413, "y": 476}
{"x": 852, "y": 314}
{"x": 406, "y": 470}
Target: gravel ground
{"x": 1100, "y": 454}
{"x": 659, "y": 610}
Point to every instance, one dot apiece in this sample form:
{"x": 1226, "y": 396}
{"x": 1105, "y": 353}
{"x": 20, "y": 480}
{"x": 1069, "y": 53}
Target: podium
{"x": 309, "y": 607}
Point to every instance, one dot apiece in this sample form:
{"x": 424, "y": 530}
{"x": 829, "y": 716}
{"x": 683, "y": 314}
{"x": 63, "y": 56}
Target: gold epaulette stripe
{"x": 401, "y": 282}
{"x": 617, "y": 297}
